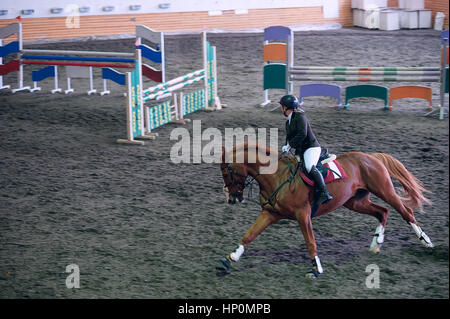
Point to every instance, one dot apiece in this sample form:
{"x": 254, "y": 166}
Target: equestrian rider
{"x": 300, "y": 136}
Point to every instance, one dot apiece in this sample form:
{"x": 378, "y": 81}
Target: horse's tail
{"x": 413, "y": 196}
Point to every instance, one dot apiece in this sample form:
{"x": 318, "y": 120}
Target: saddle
{"x": 328, "y": 175}
{"x": 324, "y": 158}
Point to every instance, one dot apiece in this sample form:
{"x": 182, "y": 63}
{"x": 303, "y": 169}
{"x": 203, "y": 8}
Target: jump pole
{"x": 83, "y": 53}
{"x": 368, "y": 72}
{"x": 365, "y": 79}
{"x": 173, "y": 88}
{"x": 172, "y": 82}
{"x": 359, "y": 68}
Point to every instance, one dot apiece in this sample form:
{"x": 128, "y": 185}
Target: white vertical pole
{"x": 216, "y": 94}
{"x": 175, "y": 106}
{"x": 147, "y": 120}
{"x": 205, "y": 67}
{"x": 139, "y": 88}
{"x": 181, "y": 106}
{"x": 91, "y": 82}
{"x": 35, "y": 87}
{"x": 290, "y": 61}
{"x": 69, "y": 88}
{"x": 19, "y": 36}
{"x": 1, "y": 62}
{"x": 288, "y": 65}
{"x": 1, "y": 77}
{"x": 444, "y": 67}
{"x": 129, "y": 109}
{"x": 105, "y": 88}
{"x": 20, "y": 77}
{"x": 163, "y": 60}
{"x": 266, "y": 92}
{"x": 57, "y": 89}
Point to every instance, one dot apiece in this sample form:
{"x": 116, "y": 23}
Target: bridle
{"x": 240, "y": 185}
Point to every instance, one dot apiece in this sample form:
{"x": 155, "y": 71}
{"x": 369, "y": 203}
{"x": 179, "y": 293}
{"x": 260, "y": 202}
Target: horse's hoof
{"x": 375, "y": 250}
{"x": 427, "y": 244}
{"x": 222, "y": 273}
{"x": 312, "y": 274}
{"x": 225, "y": 265}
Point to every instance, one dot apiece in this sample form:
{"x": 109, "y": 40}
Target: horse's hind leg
{"x": 387, "y": 193}
{"x": 361, "y": 203}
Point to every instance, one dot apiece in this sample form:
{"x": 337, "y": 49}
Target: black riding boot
{"x": 324, "y": 196}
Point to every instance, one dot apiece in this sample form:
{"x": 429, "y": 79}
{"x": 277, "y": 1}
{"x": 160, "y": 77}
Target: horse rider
{"x": 300, "y": 136}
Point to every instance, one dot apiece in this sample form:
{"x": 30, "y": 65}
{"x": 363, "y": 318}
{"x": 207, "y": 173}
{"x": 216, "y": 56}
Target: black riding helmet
{"x": 290, "y": 102}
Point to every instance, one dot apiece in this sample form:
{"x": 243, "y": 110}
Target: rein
{"x": 246, "y": 183}
{"x": 232, "y": 171}
{"x": 275, "y": 192}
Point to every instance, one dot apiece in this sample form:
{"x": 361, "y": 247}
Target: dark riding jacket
{"x": 299, "y": 134}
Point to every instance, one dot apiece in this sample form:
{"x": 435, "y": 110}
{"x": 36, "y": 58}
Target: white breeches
{"x": 311, "y": 157}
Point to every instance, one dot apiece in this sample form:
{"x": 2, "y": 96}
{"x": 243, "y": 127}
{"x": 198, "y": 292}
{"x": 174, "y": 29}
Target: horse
{"x": 284, "y": 195}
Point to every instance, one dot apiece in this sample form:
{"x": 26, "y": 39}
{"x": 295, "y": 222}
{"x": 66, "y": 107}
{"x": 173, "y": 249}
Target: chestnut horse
{"x": 284, "y": 195}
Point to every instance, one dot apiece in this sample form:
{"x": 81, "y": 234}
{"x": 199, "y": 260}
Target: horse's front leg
{"x": 304, "y": 221}
{"x": 264, "y": 219}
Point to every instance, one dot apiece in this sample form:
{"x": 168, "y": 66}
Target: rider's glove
{"x": 286, "y": 148}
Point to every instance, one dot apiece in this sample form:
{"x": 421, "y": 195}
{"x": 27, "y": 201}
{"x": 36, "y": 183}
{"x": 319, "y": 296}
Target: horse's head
{"x": 234, "y": 177}
{"x": 237, "y": 164}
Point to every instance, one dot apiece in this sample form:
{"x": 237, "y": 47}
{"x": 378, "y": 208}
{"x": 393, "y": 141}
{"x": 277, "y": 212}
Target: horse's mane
{"x": 247, "y": 147}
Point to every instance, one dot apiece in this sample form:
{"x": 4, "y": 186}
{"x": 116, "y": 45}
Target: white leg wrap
{"x": 319, "y": 264}
{"x": 237, "y": 253}
{"x": 380, "y": 234}
{"x": 378, "y": 239}
{"x": 424, "y": 239}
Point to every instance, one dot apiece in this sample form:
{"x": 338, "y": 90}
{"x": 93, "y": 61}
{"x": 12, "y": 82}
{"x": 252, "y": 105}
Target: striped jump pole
{"x": 359, "y": 68}
{"x": 173, "y": 88}
{"x": 83, "y": 53}
{"x": 177, "y": 80}
{"x": 366, "y": 79}
{"x": 365, "y": 72}
{"x": 74, "y": 58}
